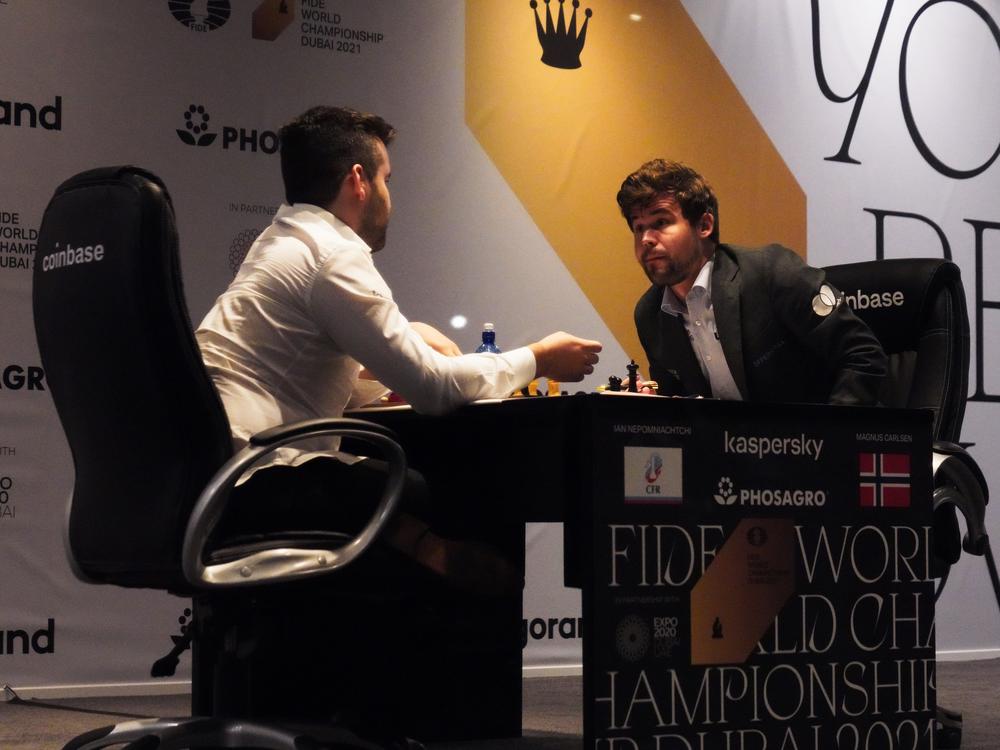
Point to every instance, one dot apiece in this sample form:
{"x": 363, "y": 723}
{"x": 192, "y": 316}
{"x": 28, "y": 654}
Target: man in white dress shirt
{"x": 309, "y": 321}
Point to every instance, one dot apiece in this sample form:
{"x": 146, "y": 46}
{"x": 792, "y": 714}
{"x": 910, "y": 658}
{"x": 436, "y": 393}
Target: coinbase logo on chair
{"x": 653, "y": 475}
{"x": 68, "y": 256}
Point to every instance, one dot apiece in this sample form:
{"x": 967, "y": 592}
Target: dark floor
{"x": 551, "y": 720}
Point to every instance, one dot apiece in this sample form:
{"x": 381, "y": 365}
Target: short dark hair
{"x": 658, "y": 176}
{"x": 319, "y": 147}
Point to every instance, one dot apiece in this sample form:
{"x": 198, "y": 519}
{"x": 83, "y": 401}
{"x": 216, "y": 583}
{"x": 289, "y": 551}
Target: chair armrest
{"x": 264, "y": 565}
{"x": 284, "y": 433}
{"x": 960, "y": 483}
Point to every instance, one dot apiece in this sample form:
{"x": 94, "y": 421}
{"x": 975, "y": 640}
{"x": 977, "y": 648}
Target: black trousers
{"x": 322, "y": 494}
{"x": 385, "y": 643}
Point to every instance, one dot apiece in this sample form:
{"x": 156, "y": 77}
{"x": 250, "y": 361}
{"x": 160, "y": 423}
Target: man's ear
{"x": 356, "y": 182}
{"x": 706, "y": 224}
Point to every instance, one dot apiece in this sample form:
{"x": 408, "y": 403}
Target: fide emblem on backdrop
{"x": 201, "y": 15}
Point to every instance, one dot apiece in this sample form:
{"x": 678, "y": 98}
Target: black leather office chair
{"x": 152, "y": 451}
{"x": 916, "y": 308}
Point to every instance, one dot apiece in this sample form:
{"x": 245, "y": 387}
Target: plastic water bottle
{"x": 489, "y": 340}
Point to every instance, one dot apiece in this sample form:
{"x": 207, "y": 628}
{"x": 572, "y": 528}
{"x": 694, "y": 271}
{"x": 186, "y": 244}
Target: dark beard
{"x": 371, "y": 231}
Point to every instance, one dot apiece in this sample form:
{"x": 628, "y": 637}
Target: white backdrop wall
{"x": 919, "y": 162}
{"x": 87, "y": 83}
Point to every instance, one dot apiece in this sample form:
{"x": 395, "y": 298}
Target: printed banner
{"x": 848, "y": 131}
{"x": 771, "y": 606}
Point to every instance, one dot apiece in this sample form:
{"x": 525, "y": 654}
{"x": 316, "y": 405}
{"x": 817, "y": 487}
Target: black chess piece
{"x": 614, "y": 383}
{"x": 633, "y": 376}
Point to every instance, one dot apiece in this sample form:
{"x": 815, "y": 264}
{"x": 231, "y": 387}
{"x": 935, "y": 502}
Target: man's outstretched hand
{"x": 564, "y": 357}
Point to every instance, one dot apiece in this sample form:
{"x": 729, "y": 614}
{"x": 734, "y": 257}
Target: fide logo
{"x": 726, "y": 494}
{"x": 757, "y": 536}
{"x": 214, "y": 15}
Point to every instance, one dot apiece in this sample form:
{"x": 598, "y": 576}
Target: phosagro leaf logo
{"x": 196, "y": 133}
{"x": 195, "y": 127}
{"x": 727, "y": 493}
{"x": 210, "y": 15}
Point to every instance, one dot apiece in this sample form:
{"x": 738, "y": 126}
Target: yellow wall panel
{"x": 565, "y": 138}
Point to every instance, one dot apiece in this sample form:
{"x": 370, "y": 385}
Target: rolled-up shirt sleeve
{"x": 351, "y": 302}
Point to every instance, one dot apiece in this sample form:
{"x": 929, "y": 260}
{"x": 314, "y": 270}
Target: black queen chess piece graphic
{"x": 561, "y": 44}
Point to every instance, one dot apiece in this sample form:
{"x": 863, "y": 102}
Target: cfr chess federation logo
{"x": 216, "y": 13}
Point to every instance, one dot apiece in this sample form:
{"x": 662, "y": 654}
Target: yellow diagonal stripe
{"x": 565, "y": 139}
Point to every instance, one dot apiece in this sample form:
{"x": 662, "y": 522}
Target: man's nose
{"x": 647, "y": 239}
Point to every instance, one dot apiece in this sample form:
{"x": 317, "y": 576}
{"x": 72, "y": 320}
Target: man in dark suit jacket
{"x": 732, "y": 322}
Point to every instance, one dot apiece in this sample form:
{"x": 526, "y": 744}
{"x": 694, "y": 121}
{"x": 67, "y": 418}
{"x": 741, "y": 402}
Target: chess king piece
{"x": 633, "y": 376}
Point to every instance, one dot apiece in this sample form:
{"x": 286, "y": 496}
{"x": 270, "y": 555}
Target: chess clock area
{"x": 754, "y": 575}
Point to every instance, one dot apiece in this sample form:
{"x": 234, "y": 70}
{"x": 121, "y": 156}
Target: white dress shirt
{"x": 306, "y": 310}
{"x": 699, "y": 322}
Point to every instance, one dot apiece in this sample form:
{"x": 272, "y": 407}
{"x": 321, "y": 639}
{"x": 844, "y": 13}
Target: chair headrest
{"x": 894, "y": 296}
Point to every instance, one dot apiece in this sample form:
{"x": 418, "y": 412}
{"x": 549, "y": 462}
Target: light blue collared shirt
{"x": 698, "y": 316}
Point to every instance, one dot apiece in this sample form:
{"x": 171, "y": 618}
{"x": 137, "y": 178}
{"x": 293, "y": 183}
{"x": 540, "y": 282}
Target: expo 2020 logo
{"x": 200, "y": 16}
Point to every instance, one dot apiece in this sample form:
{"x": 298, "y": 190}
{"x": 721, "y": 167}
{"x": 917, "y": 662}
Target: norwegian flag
{"x": 884, "y": 480}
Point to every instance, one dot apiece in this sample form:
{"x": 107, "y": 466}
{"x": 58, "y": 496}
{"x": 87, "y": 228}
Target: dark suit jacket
{"x": 777, "y": 347}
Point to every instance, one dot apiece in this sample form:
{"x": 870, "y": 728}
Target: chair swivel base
{"x": 192, "y": 733}
{"x": 947, "y": 729}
